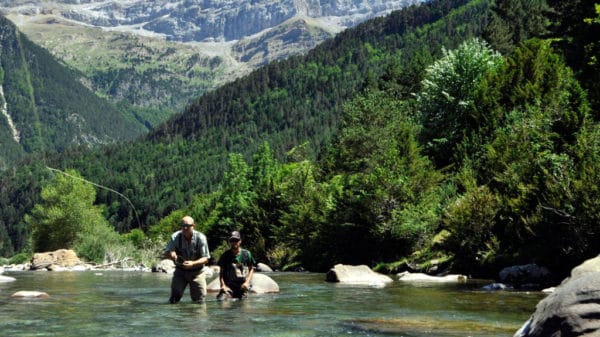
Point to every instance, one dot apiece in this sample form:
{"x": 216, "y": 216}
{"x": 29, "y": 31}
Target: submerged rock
{"x": 420, "y": 277}
{"x": 426, "y": 326}
{"x": 496, "y": 286}
{"x": 30, "y": 294}
{"x": 4, "y": 279}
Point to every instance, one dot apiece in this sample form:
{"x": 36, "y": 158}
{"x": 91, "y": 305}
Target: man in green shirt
{"x": 188, "y": 248}
{"x": 237, "y": 269}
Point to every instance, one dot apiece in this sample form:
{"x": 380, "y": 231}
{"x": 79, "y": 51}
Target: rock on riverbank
{"x": 572, "y": 309}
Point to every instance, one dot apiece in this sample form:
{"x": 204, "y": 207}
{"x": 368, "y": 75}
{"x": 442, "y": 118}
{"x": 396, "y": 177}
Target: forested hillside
{"x": 460, "y": 131}
{"x": 45, "y": 107}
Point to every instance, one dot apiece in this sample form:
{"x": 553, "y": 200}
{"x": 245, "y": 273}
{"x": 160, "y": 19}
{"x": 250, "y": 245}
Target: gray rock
{"x": 261, "y": 267}
{"x": 356, "y": 275}
{"x": 530, "y": 276}
{"x": 571, "y": 310}
{"x": 588, "y": 266}
{"x": 261, "y": 284}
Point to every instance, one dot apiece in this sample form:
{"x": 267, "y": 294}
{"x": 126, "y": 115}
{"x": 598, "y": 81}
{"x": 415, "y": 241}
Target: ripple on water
{"x": 135, "y": 304}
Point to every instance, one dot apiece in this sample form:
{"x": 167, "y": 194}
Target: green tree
{"x": 530, "y": 162}
{"x": 238, "y": 204}
{"x": 576, "y": 33}
{"x": 515, "y": 21}
{"x": 67, "y": 218}
{"x": 305, "y": 203}
{"x": 446, "y": 102}
{"x": 388, "y": 192}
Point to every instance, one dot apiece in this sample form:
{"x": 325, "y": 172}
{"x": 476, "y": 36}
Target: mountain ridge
{"x": 224, "y": 40}
{"x": 45, "y": 107}
{"x": 202, "y": 20}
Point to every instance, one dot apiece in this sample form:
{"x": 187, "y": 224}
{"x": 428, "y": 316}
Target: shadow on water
{"x": 135, "y": 304}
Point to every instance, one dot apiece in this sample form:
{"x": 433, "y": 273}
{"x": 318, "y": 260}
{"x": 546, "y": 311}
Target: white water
{"x": 4, "y": 110}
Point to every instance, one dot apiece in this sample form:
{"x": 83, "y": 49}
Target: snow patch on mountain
{"x": 204, "y": 20}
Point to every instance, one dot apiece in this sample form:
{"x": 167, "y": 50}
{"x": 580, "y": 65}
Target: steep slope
{"x": 154, "y": 57}
{"x": 45, "y": 107}
{"x": 287, "y": 103}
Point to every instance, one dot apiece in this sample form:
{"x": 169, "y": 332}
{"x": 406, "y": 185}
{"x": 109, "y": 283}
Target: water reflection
{"x": 132, "y": 303}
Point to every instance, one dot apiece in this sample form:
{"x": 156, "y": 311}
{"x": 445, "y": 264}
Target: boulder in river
{"x": 572, "y": 309}
{"x": 356, "y": 275}
{"x": 261, "y": 284}
{"x": 528, "y": 276}
{"x": 420, "y": 277}
{"x": 263, "y": 268}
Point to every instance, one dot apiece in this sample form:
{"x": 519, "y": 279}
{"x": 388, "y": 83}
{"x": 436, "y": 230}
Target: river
{"x": 123, "y": 303}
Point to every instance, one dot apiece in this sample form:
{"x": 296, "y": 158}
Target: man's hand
{"x": 188, "y": 264}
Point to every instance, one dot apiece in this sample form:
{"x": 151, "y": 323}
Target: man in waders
{"x": 188, "y": 248}
{"x": 237, "y": 269}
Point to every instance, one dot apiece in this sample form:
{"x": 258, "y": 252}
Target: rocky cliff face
{"x": 205, "y": 20}
{"x": 120, "y": 47}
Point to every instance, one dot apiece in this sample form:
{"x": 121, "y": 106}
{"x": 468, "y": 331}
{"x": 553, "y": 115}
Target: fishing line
{"x": 42, "y": 144}
{"x": 103, "y": 187}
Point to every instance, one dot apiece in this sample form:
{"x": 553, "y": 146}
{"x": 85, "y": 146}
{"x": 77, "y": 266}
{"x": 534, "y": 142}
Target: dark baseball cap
{"x": 235, "y": 235}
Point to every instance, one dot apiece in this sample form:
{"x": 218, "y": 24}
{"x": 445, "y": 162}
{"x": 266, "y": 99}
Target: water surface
{"x": 119, "y": 303}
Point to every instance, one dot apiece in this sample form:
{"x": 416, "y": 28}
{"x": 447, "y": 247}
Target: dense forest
{"x": 48, "y": 106}
{"x": 464, "y": 132}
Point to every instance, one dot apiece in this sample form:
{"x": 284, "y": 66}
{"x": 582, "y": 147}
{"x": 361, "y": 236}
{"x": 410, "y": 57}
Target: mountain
{"x": 154, "y": 57}
{"x": 43, "y": 105}
{"x": 205, "y": 20}
{"x": 286, "y": 103}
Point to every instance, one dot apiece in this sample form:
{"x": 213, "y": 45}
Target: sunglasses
{"x": 186, "y": 226}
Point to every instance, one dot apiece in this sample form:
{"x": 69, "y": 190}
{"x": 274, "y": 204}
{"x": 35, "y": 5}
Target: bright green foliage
{"x": 136, "y": 237}
{"x": 389, "y": 192}
{"x": 67, "y": 218}
{"x": 20, "y": 258}
{"x": 470, "y": 220}
{"x": 280, "y": 103}
{"x": 238, "y": 198}
{"x": 584, "y": 232}
{"x": 305, "y": 203}
{"x": 167, "y": 225}
{"x": 515, "y": 136}
{"x": 529, "y": 164}
{"x": 446, "y": 102}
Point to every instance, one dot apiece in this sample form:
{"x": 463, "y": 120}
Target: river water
{"x": 123, "y": 303}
